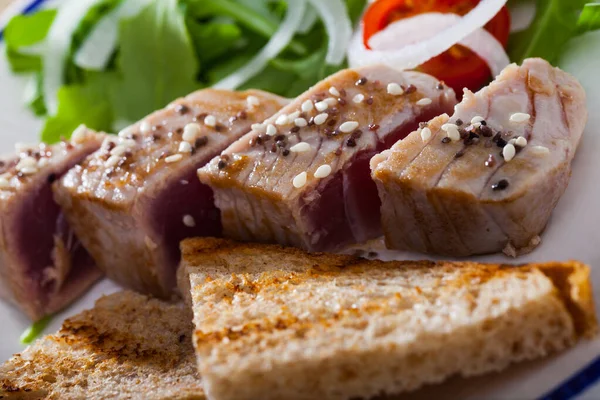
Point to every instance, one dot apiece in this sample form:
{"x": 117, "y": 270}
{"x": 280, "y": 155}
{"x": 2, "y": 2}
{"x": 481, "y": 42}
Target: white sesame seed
{"x": 191, "y": 131}
{"x": 334, "y": 91}
{"x": 476, "y": 119}
{"x": 282, "y": 120}
{"x": 4, "y": 183}
{"x": 185, "y": 147}
{"x": 118, "y": 150}
{"x": 128, "y": 143}
{"x": 271, "y": 130}
{"x": 519, "y": 117}
{"x": 540, "y": 150}
{"x": 358, "y": 98}
{"x": 253, "y": 101}
{"x": 174, "y": 158}
{"x": 43, "y": 162}
{"x": 331, "y": 101}
{"x": 300, "y": 122}
{"x": 26, "y": 162}
{"x": 145, "y": 127}
{"x": 451, "y": 131}
{"x": 189, "y": 221}
{"x": 521, "y": 141}
{"x": 79, "y": 135}
{"x": 184, "y": 181}
{"x": 323, "y": 171}
{"x": 300, "y": 180}
{"x": 394, "y": 89}
{"x": 307, "y": 106}
{"x": 210, "y": 120}
{"x": 29, "y": 170}
{"x": 125, "y": 133}
{"x": 112, "y": 161}
{"x": 260, "y": 128}
{"x": 321, "y": 118}
{"x": 321, "y": 106}
{"x": 300, "y": 147}
{"x": 425, "y": 101}
{"x": 509, "y": 151}
{"x": 293, "y": 115}
{"x": 425, "y": 134}
{"x": 348, "y": 126}
{"x": 512, "y": 141}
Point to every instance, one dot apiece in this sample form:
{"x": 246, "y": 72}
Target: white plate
{"x": 573, "y": 233}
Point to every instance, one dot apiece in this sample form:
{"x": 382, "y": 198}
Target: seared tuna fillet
{"x": 43, "y": 267}
{"x": 487, "y": 178}
{"x": 136, "y": 198}
{"x": 302, "y": 177}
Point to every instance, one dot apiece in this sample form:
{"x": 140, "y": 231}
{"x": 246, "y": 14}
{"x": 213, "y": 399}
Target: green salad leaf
{"x": 167, "y": 50}
{"x": 22, "y": 32}
{"x": 589, "y": 20}
{"x": 35, "y": 330}
{"x": 157, "y": 61}
{"x": 87, "y": 103}
{"x": 555, "y": 23}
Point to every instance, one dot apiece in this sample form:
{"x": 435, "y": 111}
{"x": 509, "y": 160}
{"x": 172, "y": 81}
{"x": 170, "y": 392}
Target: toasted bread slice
{"x": 279, "y": 323}
{"x": 127, "y": 347}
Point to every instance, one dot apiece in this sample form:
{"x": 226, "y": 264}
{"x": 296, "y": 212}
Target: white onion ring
{"x": 99, "y": 46}
{"x": 56, "y": 48}
{"x": 334, "y": 15}
{"x": 413, "y": 55}
{"x": 413, "y": 30}
{"x": 278, "y": 42}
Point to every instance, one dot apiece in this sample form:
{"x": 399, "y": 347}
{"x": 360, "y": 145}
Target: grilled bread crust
{"x": 274, "y": 322}
{"x": 127, "y": 347}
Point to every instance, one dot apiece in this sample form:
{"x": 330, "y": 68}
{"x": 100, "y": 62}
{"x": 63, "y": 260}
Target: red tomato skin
{"x": 458, "y": 67}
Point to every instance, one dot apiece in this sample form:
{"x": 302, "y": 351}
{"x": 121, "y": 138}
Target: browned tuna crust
{"x": 495, "y": 187}
{"x": 302, "y": 177}
{"x": 133, "y": 200}
{"x": 43, "y": 267}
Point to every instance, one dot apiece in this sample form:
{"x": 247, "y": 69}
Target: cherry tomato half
{"x": 458, "y": 67}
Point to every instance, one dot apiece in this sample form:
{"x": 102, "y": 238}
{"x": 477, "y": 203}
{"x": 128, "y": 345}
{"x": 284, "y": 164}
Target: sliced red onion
{"x": 413, "y": 30}
{"x": 411, "y": 55}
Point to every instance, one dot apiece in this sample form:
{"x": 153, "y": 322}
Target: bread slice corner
{"x": 128, "y": 347}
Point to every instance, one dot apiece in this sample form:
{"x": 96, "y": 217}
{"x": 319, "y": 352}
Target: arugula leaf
{"x": 157, "y": 61}
{"x": 35, "y": 330}
{"x": 27, "y": 30}
{"x": 34, "y": 97}
{"x": 246, "y": 16}
{"x": 555, "y": 23}
{"x": 205, "y": 35}
{"x": 589, "y": 20}
{"x": 23, "y": 31}
{"x": 87, "y": 104}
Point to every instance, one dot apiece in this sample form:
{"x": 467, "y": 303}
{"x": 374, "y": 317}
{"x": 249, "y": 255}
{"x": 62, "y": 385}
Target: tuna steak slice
{"x": 487, "y": 178}
{"x": 137, "y": 197}
{"x": 43, "y": 267}
{"x": 302, "y": 177}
